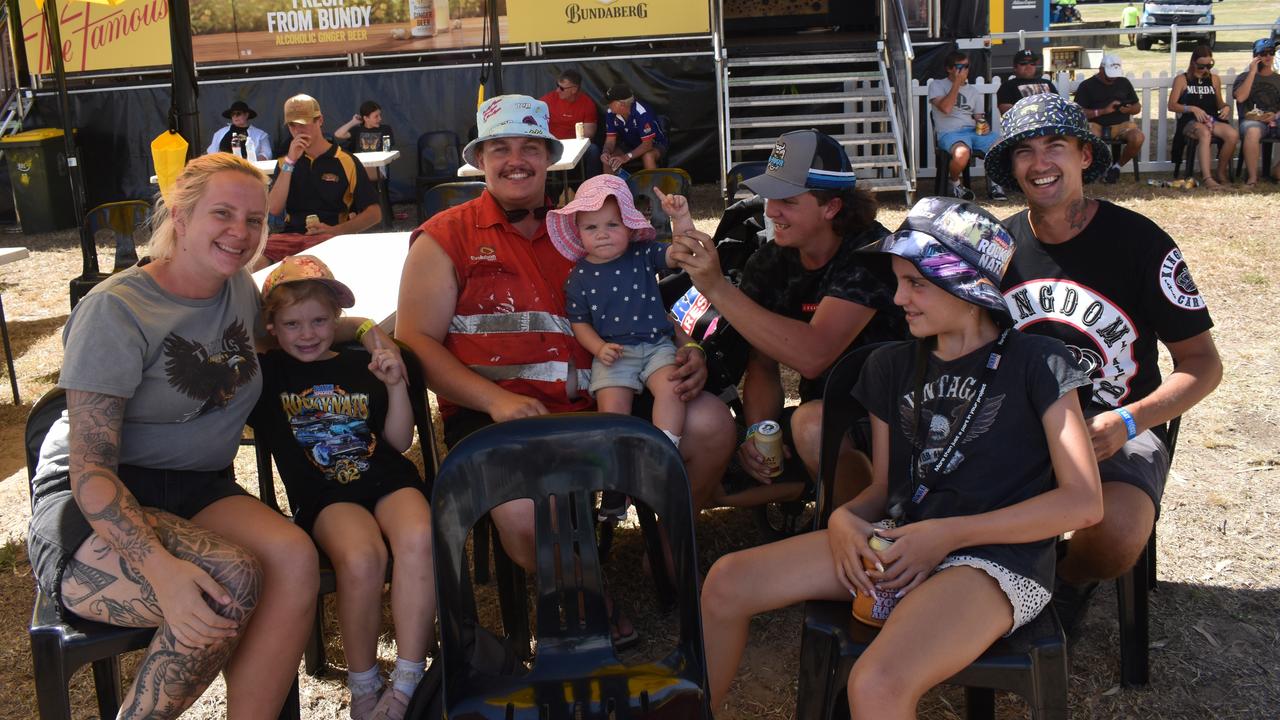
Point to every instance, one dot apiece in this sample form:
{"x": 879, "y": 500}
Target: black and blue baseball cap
{"x": 1263, "y": 45}
{"x": 803, "y": 160}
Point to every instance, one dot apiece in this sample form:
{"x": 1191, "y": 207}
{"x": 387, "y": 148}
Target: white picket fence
{"x": 1155, "y": 121}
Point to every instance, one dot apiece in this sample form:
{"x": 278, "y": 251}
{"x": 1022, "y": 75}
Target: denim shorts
{"x": 58, "y": 528}
{"x": 969, "y": 137}
{"x": 633, "y": 367}
{"x": 1268, "y": 131}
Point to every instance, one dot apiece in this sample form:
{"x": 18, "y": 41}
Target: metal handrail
{"x": 897, "y": 55}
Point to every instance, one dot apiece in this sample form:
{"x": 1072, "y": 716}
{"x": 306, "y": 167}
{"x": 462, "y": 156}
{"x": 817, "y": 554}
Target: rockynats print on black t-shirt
{"x": 331, "y": 426}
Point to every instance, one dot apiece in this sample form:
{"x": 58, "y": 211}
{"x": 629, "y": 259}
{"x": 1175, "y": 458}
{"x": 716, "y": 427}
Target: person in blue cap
{"x": 805, "y": 299}
{"x": 1257, "y": 91}
{"x": 1110, "y": 284}
{"x": 980, "y": 456}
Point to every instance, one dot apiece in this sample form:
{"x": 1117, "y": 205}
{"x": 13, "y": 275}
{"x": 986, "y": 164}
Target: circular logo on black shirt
{"x": 1177, "y": 284}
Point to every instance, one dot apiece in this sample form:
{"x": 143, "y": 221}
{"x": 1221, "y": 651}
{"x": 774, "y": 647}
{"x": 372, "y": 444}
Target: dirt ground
{"x": 1214, "y": 639}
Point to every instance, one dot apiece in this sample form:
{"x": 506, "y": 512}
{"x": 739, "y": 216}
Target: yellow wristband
{"x": 365, "y": 327}
{"x": 692, "y": 344}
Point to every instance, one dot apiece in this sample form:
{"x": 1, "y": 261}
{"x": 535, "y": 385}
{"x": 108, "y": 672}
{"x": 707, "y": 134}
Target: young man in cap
{"x": 316, "y": 177}
{"x": 1109, "y": 283}
{"x": 1026, "y": 81}
{"x": 956, "y": 107}
{"x": 568, "y": 106}
{"x": 1109, "y": 103}
{"x": 632, "y": 132}
{"x": 482, "y": 305}
{"x": 1257, "y": 91}
{"x": 240, "y": 114}
{"x": 805, "y": 299}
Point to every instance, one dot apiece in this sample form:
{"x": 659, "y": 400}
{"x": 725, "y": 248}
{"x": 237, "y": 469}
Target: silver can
{"x": 386, "y": 143}
{"x": 768, "y": 440}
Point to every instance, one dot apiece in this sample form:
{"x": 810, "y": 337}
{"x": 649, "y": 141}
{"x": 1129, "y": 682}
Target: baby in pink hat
{"x": 613, "y": 301}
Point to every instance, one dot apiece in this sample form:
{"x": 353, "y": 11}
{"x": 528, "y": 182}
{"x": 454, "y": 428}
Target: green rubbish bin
{"x": 38, "y": 171}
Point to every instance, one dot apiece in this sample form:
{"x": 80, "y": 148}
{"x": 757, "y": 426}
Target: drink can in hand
{"x": 312, "y": 221}
{"x": 874, "y": 610}
{"x": 768, "y": 439}
{"x": 980, "y": 121}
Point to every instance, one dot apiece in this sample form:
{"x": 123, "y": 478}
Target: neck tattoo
{"x": 1077, "y": 213}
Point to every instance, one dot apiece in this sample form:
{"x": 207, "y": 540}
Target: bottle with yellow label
{"x": 874, "y": 610}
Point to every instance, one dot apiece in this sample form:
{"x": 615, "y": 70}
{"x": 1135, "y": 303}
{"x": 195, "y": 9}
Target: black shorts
{"x": 58, "y": 528}
{"x": 1142, "y": 462}
{"x": 364, "y": 494}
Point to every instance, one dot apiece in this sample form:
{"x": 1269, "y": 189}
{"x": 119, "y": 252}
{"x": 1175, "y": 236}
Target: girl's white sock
{"x": 365, "y": 681}
{"x": 675, "y": 439}
{"x": 407, "y": 674}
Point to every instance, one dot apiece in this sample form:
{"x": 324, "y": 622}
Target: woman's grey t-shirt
{"x": 187, "y": 369}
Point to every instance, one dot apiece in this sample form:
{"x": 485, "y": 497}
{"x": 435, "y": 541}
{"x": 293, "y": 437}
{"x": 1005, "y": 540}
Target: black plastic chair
{"x": 575, "y": 673}
{"x": 1032, "y": 662}
{"x": 315, "y": 661}
{"x": 673, "y": 181}
{"x": 62, "y": 644}
{"x": 739, "y": 173}
{"x": 439, "y": 157}
{"x": 1117, "y": 146}
{"x": 433, "y": 199}
{"x": 942, "y": 172}
{"x": 1184, "y": 148}
{"x": 124, "y": 222}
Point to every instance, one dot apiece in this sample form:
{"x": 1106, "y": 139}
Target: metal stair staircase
{"x": 846, "y": 95}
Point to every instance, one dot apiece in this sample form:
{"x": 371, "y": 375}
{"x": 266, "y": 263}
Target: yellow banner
{"x": 133, "y": 33}
{"x": 549, "y": 20}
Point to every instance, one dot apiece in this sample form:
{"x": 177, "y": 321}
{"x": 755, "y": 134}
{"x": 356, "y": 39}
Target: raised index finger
{"x": 661, "y": 195}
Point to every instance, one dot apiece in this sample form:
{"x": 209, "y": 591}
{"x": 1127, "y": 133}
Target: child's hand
{"x": 609, "y": 353}
{"x": 673, "y": 205}
{"x": 387, "y": 366}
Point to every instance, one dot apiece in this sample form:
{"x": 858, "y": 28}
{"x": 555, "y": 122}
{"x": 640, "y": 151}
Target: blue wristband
{"x": 1130, "y": 426}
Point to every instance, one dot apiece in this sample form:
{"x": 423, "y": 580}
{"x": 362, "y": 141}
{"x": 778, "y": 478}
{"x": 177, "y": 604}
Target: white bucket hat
{"x": 509, "y": 116}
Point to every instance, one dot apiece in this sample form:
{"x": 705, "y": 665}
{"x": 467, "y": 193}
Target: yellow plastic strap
{"x": 365, "y": 327}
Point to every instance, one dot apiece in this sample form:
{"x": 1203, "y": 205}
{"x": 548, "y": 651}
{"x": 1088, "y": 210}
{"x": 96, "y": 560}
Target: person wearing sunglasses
{"x": 1110, "y": 104}
{"x": 957, "y": 107}
{"x": 569, "y": 106}
{"x": 1196, "y": 96}
{"x": 1026, "y": 81}
{"x": 1257, "y": 91}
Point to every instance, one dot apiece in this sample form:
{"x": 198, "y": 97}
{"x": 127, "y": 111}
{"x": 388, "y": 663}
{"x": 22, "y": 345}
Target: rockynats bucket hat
{"x": 509, "y": 116}
{"x": 958, "y": 246}
{"x": 563, "y": 228}
{"x": 1039, "y": 116}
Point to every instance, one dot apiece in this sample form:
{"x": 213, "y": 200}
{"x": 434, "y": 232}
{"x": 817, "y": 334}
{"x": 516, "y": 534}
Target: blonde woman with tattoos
{"x": 137, "y": 519}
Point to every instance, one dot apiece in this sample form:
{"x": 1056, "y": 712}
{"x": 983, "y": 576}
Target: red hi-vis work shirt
{"x": 509, "y": 324}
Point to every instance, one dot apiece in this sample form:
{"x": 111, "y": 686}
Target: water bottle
{"x": 250, "y": 148}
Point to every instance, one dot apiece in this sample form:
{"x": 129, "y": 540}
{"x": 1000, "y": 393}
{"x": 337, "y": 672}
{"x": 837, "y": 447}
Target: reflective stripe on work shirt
{"x": 516, "y": 322}
{"x": 536, "y": 372}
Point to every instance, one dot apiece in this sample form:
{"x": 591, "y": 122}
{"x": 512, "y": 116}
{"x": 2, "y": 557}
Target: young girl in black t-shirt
{"x": 994, "y": 465}
{"x": 337, "y": 424}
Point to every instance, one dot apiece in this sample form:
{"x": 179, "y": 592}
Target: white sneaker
{"x": 960, "y": 191}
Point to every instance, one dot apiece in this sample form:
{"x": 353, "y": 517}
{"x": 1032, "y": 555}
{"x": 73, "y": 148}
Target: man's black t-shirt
{"x": 365, "y": 139}
{"x": 1109, "y": 293}
{"x": 1094, "y": 94}
{"x": 1011, "y": 91}
{"x": 322, "y": 421}
{"x": 1003, "y": 458}
{"x": 776, "y": 280}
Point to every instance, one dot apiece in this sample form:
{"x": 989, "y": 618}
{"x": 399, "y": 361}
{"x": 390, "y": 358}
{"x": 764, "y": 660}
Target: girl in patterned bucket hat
{"x": 1041, "y": 116}
{"x": 981, "y": 458}
{"x": 614, "y": 305}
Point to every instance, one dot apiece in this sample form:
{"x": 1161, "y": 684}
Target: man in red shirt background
{"x": 568, "y": 106}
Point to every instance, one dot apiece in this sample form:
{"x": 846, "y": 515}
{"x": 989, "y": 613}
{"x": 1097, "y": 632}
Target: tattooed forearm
{"x": 95, "y": 450}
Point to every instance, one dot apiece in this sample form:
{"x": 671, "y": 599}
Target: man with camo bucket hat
{"x": 1109, "y": 283}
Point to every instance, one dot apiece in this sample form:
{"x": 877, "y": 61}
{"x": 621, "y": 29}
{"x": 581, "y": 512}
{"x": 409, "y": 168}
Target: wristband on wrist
{"x": 365, "y": 327}
{"x": 694, "y": 344}
{"x": 286, "y": 166}
{"x": 1130, "y": 425}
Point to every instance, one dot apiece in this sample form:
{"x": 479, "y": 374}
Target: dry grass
{"x": 1214, "y": 638}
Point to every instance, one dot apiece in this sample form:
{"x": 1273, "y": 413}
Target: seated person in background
{"x": 626, "y": 331}
{"x": 1257, "y": 90}
{"x": 959, "y": 114}
{"x": 1109, "y": 103}
{"x": 1026, "y": 81}
{"x": 321, "y": 189}
{"x": 569, "y": 106}
{"x": 336, "y": 421}
{"x": 632, "y": 132}
{"x": 364, "y": 132}
{"x": 805, "y": 299}
{"x": 1197, "y": 96}
{"x": 257, "y": 143}
{"x": 972, "y": 560}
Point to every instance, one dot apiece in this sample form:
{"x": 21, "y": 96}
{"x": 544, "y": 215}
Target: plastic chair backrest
{"x": 841, "y": 413}
{"x": 560, "y": 462}
{"x": 43, "y": 415}
{"x": 740, "y": 172}
{"x": 439, "y": 154}
{"x": 672, "y": 181}
{"x": 446, "y": 195}
{"x": 124, "y": 220}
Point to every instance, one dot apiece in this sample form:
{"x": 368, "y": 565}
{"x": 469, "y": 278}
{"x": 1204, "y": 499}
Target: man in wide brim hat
{"x": 1112, "y": 286}
{"x": 240, "y": 114}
